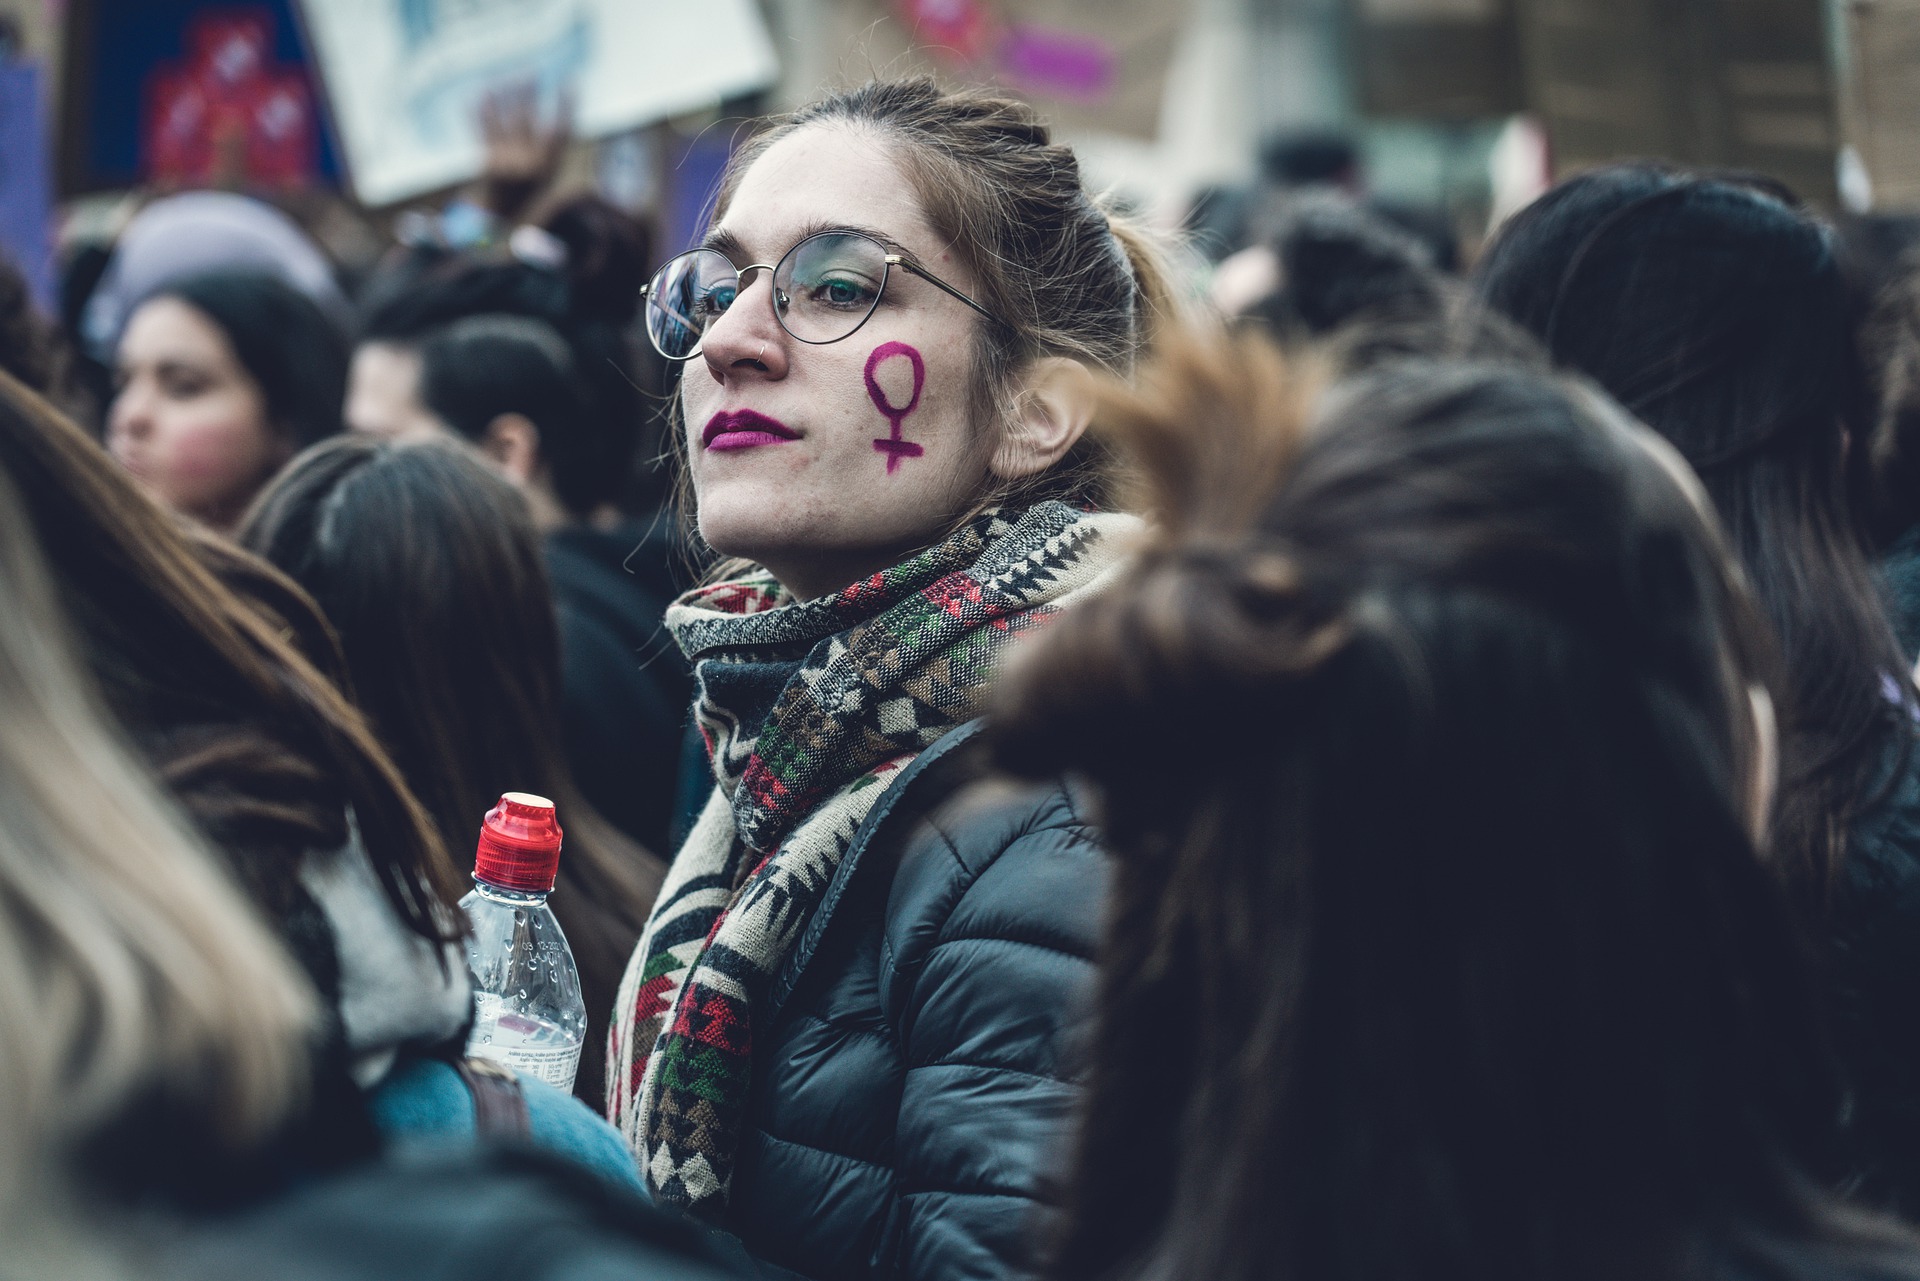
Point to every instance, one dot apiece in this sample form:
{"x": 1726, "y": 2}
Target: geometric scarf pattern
{"x": 809, "y": 709}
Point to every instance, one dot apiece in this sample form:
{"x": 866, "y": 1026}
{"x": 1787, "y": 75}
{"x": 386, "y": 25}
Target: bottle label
{"x": 557, "y": 1065}
{"x": 530, "y": 1045}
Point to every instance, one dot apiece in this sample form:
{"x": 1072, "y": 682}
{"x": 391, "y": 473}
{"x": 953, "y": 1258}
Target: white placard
{"x": 405, "y": 77}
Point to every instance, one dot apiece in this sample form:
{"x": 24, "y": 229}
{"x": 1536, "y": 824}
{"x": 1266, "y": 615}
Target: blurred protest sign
{"x": 26, "y": 178}
{"x": 179, "y": 92}
{"x": 1086, "y": 64}
{"x": 1439, "y": 59}
{"x": 1741, "y": 84}
{"x": 405, "y": 78}
{"x": 226, "y": 111}
{"x": 1882, "y": 100}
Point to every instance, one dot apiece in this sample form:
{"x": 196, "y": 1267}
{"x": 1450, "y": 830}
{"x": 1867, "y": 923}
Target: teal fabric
{"x": 1900, "y": 581}
{"x": 424, "y": 1101}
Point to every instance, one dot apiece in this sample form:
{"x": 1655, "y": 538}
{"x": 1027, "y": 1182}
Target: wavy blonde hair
{"x": 131, "y": 961}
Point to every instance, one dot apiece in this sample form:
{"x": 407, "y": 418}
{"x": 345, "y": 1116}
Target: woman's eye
{"x": 180, "y": 385}
{"x": 838, "y": 291}
{"x": 715, "y": 301}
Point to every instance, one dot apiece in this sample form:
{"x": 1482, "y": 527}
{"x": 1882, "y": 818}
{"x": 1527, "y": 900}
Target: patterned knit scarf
{"x": 809, "y": 710}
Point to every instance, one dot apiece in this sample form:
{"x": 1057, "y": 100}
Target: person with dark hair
{"x": 222, "y": 378}
{"x": 512, "y": 387}
{"x": 462, "y": 685}
{"x": 1452, "y": 955}
{"x": 609, "y": 254}
{"x": 1327, "y": 268}
{"x": 32, "y": 348}
{"x": 1891, "y": 343}
{"x": 509, "y": 385}
{"x": 139, "y": 978}
{"x": 226, "y": 678}
{"x": 1720, "y": 315}
{"x": 1310, "y": 158}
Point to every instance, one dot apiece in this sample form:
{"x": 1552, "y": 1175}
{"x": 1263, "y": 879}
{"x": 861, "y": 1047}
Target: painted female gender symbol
{"x": 894, "y": 447}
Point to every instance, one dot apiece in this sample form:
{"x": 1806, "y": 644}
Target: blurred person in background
{"x": 509, "y": 385}
{"x": 199, "y": 233}
{"x": 227, "y": 680}
{"x": 1891, "y": 341}
{"x": 1720, "y": 315}
{"x": 194, "y": 233}
{"x": 1470, "y": 961}
{"x": 33, "y": 349}
{"x": 140, "y": 982}
{"x": 571, "y": 429}
{"x": 860, "y": 1059}
{"x": 1329, "y": 268}
{"x": 219, "y": 380}
{"x": 384, "y": 394}
{"x": 462, "y": 682}
{"x": 151, "y": 986}
{"x": 505, "y": 380}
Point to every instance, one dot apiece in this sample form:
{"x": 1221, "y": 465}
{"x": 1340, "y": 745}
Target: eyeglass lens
{"x": 824, "y": 288}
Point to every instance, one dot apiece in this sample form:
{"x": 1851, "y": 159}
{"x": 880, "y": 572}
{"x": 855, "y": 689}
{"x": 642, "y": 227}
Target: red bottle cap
{"x": 519, "y": 844}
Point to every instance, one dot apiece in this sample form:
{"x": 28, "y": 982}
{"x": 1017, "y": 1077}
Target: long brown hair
{"x": 262, "y": 750}
{"x": 1439, "y": 944}
{"x": 463, "y": 682}
{"x": 134, "y": 965}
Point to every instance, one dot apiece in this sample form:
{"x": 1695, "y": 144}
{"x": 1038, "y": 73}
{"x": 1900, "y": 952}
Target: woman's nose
{"x": 746, "y": 339}
{"x": 130, "y": 417}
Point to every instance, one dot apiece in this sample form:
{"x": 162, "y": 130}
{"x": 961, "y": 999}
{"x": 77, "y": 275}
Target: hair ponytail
{"x": 1158, "y": 304}
{"x": 1211, "y": 611}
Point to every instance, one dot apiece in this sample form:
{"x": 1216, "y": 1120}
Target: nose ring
{"x": 762, "y": 357}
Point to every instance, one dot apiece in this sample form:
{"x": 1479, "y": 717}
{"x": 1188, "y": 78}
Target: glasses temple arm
{"x": 942, "y": 285}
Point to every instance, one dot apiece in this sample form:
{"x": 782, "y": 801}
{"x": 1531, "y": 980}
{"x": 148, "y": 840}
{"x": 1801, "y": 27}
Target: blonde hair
{"x": 131, "y": 962}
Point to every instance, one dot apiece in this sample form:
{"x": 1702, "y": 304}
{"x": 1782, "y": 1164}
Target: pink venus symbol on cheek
{"x": 895, "y": 447}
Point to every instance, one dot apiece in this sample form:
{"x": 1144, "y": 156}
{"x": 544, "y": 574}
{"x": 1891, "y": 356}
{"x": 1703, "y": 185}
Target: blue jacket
{"x": 916, "y": 1081}
{"x": 424, "y": 1103}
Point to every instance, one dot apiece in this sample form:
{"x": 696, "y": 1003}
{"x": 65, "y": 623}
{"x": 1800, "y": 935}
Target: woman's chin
{"x": 744, "y": 530}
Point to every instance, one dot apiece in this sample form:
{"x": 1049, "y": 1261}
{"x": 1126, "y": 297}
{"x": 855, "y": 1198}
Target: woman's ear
{"x": 511, "y": 443}
{"x": 1051, "y": 412}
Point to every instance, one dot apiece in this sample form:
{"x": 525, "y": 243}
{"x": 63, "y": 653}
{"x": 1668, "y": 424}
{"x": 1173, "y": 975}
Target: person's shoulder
{"x": 997, "y": 858}
{"x": 496, "y": 1212}
{"x": 954, "y": 815}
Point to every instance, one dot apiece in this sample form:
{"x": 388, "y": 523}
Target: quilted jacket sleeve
{"x": 987, "y": 979}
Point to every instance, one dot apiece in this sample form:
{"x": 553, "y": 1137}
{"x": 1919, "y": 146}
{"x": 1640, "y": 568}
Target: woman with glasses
{"x": 846, "y": 1033}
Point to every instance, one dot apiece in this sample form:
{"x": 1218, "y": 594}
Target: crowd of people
{"x": 1344, "y": 761}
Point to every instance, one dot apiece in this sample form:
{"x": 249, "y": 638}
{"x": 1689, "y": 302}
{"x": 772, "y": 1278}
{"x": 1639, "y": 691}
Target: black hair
{"x": 625, "y": 434}
{"x": 1309, "y": 158}
{"x": 1721, "y": 315}
{"x": 463, "y": 683}
{"x": 609, "y": 254}
{"x": 286, "y": 344}
{"x": 481, "y": 367}
{"x": 1451, "y": 956}
{"x": 1339, "y": 263}
{"x": 407, "y": 311}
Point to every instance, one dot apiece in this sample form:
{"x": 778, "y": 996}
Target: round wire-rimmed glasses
{"x": 824, "y": 289}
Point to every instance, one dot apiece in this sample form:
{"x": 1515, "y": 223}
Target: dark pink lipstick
{"x": 743, "y": 429}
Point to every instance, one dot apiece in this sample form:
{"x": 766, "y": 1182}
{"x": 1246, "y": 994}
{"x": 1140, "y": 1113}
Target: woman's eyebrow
{"x": 727, "y": 243}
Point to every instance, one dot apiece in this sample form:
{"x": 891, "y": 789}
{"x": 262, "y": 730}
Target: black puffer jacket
{"x": 914, "y": 1087}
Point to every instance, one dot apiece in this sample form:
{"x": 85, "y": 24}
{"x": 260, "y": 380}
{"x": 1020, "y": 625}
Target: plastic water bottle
{"x": 528, "y": 1012}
